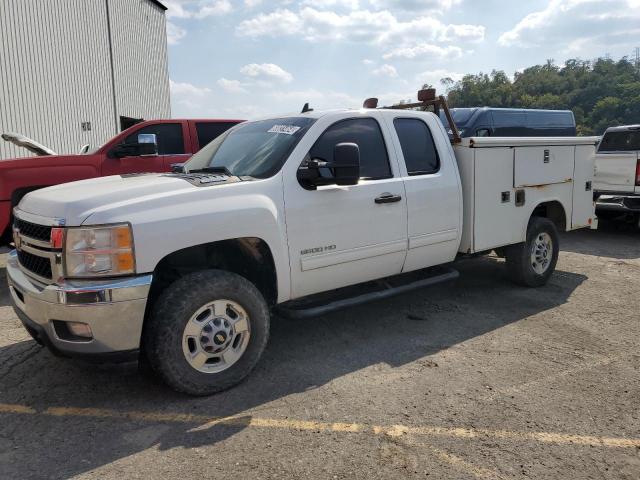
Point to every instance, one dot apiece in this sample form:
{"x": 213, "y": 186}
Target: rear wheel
{"x": 532, "y": 263}
{"x": 207, "y": 332}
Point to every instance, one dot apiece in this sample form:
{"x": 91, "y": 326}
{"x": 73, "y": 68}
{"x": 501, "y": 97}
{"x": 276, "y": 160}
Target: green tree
{"x": 601, "y": 93}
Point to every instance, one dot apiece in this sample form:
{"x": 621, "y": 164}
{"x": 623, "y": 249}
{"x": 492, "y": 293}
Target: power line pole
{"x": 636, "y": 56}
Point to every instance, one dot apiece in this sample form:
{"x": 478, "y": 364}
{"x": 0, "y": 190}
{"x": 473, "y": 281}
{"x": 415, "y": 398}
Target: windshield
{"x": 460, "y": 115}
{"x": 253, "y": 149}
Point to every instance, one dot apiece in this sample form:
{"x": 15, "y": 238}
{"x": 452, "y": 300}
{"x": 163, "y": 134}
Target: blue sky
{"x": 248, "y": 58}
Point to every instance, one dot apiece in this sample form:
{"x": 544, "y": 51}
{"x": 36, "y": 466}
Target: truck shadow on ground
{"x": 302, "y": 356}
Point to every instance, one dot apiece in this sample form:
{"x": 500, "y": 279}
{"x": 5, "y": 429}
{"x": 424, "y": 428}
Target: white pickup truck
{"x": 184, "y": 268}
{"x": 617, "y": 177}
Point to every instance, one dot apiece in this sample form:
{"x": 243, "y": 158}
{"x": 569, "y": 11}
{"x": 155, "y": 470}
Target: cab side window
{"x": 168, "y": 135}
{"x": 419, "y": 150}
{"x": 364, "y": 132}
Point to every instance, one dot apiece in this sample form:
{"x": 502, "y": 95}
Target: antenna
{"x": 306, "y": 108}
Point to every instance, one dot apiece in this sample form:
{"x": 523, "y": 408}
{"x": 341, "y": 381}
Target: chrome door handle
{"x": 388, "y": 198}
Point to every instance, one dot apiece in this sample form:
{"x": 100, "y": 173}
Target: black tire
{"x": 518, "y": 257}
{"x": 163, "y": 330}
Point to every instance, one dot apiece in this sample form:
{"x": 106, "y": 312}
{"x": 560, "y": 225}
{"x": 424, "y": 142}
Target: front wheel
{"x": 206, "y": 332}
{"x": 531, "y": 263}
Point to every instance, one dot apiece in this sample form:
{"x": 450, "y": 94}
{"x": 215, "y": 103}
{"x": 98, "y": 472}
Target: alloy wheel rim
{"x": 216, "y": 336}
{"x": 541, "y": 253}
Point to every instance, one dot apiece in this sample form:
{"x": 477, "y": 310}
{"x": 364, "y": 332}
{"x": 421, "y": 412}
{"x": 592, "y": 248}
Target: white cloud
{"x": 578, "y": 26}
{"x": 280, "y": 21}
{"x": 252, "y": 3}
{"x": 231, "y": 86}
{"x": 216, "y": 8}
{"x": 386, "y": 70}
{"x": 434, "y": 77}
{"x": 424, "y": 50}
{"x": 323, "y": 4}
{"x": 367, "y": 61}
{"x": 174, "y": 33}
{"x": 415, "y": 5}
{"x": 376, "y": 27}
{"x": 188, "y": 98}
{"x": 197, "y": 8}
{"x": 266, "y": 71}
{"x": 187, "y": 89}
{"x": 318, "y": 99}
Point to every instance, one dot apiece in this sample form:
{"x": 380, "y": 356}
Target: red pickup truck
{"x": 150, "y": 146}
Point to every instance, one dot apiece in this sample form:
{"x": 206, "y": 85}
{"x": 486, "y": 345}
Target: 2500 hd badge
{"x": 308, "y": 251}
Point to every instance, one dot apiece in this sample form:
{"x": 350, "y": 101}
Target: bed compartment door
{"x": 543, "y": 165}
{"x": 583, "y": 208}
{"x": 497, "y": 221}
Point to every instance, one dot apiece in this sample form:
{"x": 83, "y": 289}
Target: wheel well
{"x": 554, "y": 211}
{"x": 249, "y": 257}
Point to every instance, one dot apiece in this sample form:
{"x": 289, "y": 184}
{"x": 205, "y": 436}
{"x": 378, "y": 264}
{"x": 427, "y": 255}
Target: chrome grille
{"x": 32, "y": 230}
{"x": 36, "y": 255}
{"x": 40, "y": 266}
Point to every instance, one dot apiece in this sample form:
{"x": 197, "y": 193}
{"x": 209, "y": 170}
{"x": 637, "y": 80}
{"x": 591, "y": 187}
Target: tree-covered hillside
{"x": 601, "y": 94}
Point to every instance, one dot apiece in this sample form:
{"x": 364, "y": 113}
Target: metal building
{"x": 76, "y": 72}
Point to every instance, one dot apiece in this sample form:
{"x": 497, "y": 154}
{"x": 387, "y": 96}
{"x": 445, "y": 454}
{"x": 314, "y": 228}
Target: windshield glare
{"x": 253, "y": 149}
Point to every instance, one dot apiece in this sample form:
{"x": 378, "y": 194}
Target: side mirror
{"x": 344, "y": 170}
{"x": 177, "y": 168}
{"x": 135, "y": 149}
{"x": 346, "y": 163}
{"x": 148, "y": 144}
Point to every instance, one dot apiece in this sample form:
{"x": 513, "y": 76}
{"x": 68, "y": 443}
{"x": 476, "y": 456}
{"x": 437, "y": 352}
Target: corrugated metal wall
{"x": 140, "y": 59}
{"x": 55, "y": 69}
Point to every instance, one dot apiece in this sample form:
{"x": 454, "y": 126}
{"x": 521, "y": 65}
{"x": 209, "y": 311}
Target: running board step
{"x": 291, "y": 311}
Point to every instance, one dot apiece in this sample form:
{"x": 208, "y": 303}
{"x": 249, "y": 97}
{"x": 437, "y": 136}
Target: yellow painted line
{"x": 247, "y": 420}
{"x": 11, "y": 408}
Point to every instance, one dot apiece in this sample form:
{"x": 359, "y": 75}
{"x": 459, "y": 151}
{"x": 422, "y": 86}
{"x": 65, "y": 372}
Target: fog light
{"x": 80, "y": 329}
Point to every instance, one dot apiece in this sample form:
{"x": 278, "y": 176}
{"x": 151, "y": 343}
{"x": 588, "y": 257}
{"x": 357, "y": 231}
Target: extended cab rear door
{"x": 432, "y": 185}
{"x": 344, "y": 235}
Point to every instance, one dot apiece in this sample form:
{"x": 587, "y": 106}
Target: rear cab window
{"x": 208, "y": 131}
{"x": 418, "y": 148}
{"x": 620, "y": 141}
{"x": 364, "y": 132}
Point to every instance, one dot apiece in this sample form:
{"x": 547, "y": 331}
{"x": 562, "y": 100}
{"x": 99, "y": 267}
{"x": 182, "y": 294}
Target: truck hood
{"x": 28, "y": 143}
{"x": 74, "y": 202}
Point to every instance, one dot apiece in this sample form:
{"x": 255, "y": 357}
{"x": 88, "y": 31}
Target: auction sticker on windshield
{"x": 286, "y": 129}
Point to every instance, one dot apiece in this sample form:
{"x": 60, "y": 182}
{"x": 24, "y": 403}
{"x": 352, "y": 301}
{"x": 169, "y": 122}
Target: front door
{"x": 343, "y": 235}
{"x": 170, "y": 138}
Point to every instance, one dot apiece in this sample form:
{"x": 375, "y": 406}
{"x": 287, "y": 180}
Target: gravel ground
{"x": 477, "y": 379}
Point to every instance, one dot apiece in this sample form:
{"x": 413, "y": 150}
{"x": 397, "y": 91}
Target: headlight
{"x": 99, "y": 251}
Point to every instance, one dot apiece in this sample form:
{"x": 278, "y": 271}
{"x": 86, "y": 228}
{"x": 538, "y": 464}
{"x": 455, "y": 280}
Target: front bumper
{"x": 618, "y": 202}
{"x": 114, "y": 309}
